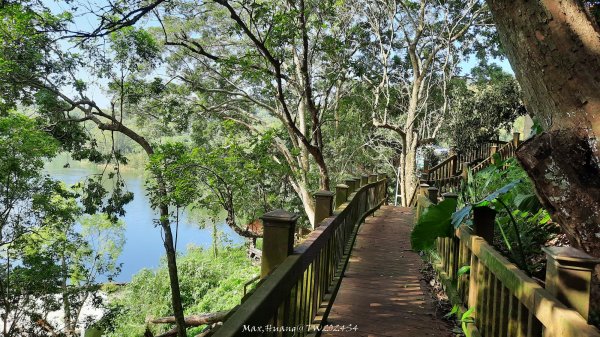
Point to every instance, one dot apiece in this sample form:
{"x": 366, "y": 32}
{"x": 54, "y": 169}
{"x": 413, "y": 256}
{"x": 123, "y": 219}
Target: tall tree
{"x": 554, "y": 48}
{"x": 260, "y": 63}
{"x": 37, "y": 69}
{"x": 413, "y": 50}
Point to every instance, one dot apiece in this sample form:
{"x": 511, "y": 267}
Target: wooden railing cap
{"x": 570, "y": 254}
{"x": 323, "y": 193}
{"x": 342, "y": 186}
{"x": 279, "y": 217}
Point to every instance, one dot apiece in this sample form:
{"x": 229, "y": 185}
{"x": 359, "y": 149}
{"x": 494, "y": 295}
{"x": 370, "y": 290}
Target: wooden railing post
{"x": 341, "y": 194}
{"x": 278, "y": 239}
{"x": 453, "y": 263}
{"x": 351, "y": 185}
{"x": 357, "y": 183}
{"x": 454, "y": 165}
{"x": 516, "y": 139}
{"x": 384, "y": 188}
{"x": 432, "y": 194}
{"x": 465, "y": 171}
{"x": 493, "y": 151}
{"x": 450, "y": 196}
{"x": 424, "y": 178}
{"x": 364, "y": 179}
{"x": 423, "y": 189}
{"x": 323, "y": 206}
{"x": 569, "y": 275}
{"x": 483, "y": 222}
{"x": 372, "y": 177}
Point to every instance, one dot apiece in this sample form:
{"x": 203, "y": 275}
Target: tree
{"x": 37, "y": 69}
{"x": 24, "y": 192}
{"x": 553, "y": 47}
{"x": 410, "y": 56}
{"x": 482, "y": 106}
{"x": 260, "y": 63}
{"x": 233, "y": 172}
{"x": 44, "y": 256}
{"x": 80, "y": 252}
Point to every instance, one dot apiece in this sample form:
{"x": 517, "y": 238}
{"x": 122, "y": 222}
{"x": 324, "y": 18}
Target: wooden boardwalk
{"x": 382, "y": 292}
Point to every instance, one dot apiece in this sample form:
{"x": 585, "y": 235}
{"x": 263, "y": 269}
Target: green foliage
{"x": 464, "y": 319}
{"x": 48, "y": 262}
{"x": 433, "y": 223}
{"x": 460, "y": 215}
{"x": 231, "y": 172}
{"x": 467, "y": 319}
{"x": 208, "y": 284}
{"x": 24, "y": 190}
{"x": 483, "y": 107}
{"x": 521, "y": 221}
{"x": 22, "y": 49}
{"x": 59, "y": 266}
{"x": 464, "y": 270}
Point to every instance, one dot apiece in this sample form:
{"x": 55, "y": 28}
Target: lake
{"x": 144, "y": 247}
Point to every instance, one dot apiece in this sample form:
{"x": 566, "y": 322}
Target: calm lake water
{"x": 144, "y": 247}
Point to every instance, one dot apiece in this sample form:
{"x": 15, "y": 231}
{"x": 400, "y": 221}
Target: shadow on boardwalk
{"x": 382, "y": 292}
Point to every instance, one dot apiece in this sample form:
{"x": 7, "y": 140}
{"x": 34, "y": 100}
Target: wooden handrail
{"x": 442, "y": 163}
{"x": 505, "y": 301}
{"x": 505, "y": 152}
{"x": 412, "y": 201}
{"x": 446, "y": 177}
{"x": 301, "y": 290}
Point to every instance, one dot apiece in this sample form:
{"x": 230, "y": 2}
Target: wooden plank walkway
{"x": 382, "y": 292}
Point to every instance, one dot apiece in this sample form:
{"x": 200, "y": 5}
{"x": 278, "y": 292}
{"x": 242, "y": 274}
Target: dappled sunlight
{"x": 382, "y": 290}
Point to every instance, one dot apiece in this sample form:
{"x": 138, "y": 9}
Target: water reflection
{"x": 144, "y": 247}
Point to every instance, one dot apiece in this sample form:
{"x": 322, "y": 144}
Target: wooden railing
{"x": 447, "y": 168}
{"x": 507, "y": 302}
{"x": 504, "y": 152}
{"x": 479, "y": 152}
{"x": 300, "y": 290}
{"x": 413, "y": 198}
{"x": 448, "y": 175}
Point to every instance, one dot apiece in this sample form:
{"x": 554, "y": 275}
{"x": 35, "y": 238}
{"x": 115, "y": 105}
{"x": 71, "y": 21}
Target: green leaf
{"x": 499, "y": 192}
{"x": 459, "y": 216}
{"x": 434, "y": 222}
{"x": 527, "y": 203}
{"x": 452, "y": 312}
{"x": 466, "y": 316}
{"x": 464, "y": 270}
{"x": 466, "y": 319}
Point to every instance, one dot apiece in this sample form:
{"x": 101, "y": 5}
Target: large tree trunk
{"x": 554, "y": 48}
{"x": 408, "y": 178}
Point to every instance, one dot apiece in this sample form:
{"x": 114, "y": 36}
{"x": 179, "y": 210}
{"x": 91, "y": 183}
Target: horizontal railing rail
{"x": 299, "y": 292}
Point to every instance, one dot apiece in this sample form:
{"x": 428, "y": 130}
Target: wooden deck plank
{"x": 382, "y": 292}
